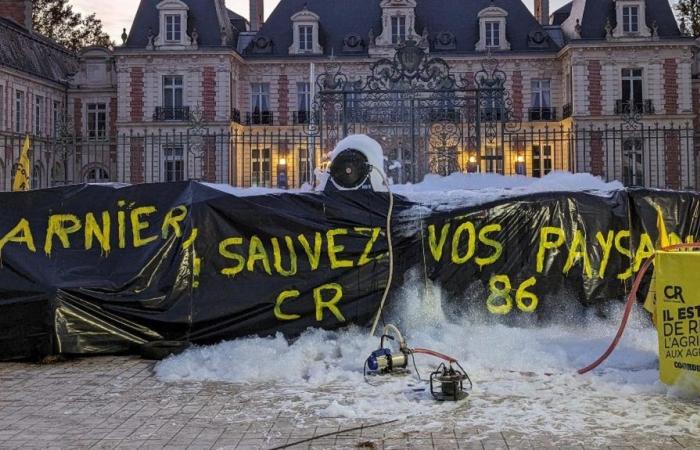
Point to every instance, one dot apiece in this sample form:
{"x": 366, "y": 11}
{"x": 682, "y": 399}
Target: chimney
{"x": 542, "y": 11}
{"x": 257, "y": 14}
{"x": 19, "y": 11}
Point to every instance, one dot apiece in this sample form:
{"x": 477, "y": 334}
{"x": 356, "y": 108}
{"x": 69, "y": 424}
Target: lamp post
{"x": 520, "y": 164}
{"x": 473, "y": 163}
{"x": 282, "y": 173}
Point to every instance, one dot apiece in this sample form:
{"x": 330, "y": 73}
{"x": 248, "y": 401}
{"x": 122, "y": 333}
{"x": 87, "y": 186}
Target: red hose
{"x": 434, "y": 353}
{"x": 631, "y": 298}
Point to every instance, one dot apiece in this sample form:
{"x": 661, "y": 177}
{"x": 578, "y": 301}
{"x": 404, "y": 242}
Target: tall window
{"x": 2, "y": 107}
{"x": 172, "y": 97}
{"x": 398, "y": 29}
{"x": 38, "y": 114}
{"x": 19, "y": 111}
{"x": 633, "y": 162}
{"x": 541, "y": 100}
{"x": 97, "y": 121}
{"x": 260, "y": 165}
{"x": 303, "y": 102}
{"x": 260, "y": 103}
{"x": 173, "y": 164}
{"x": 56, "y": 117}
{"x": 630, "y": 19}
{"x": 493, "y": 34}
{"x": 541, "y": 160}
{"x": 304, "y": 166}
{"x": 306, "y": 36}
{"x": 173, "y": 28}
{"x": 632, "y": 89}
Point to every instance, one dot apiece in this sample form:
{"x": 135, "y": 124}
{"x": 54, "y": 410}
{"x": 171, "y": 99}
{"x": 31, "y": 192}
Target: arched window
{"x": 37, "y": 177}
{"x": 2, "y": 177}
{"x": 96, "y": 175}
{"x": 58, "y": 175}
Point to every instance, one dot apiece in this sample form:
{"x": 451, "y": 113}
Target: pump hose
{"x": 387, "y": 289}
{"x": 434, "y": 353}
{"x": 631, "y": 298}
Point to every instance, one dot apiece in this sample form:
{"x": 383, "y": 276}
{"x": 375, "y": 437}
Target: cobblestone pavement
{"x": 116, "y": 402}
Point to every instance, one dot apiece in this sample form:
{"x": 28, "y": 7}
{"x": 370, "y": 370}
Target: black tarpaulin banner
{"x": 103, "y": 268}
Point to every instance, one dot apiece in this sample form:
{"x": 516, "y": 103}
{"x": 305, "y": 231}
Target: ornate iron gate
{"x": 426, "y": 119}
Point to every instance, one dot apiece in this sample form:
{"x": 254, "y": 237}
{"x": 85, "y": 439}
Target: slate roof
{"x": 202, "y": 15}
{"x": 597, "y": 12}
{"x": 34, "y": 54}
{"x": 339, "y": 18}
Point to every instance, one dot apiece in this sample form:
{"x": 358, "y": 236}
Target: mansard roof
{"x": 202, "y": 15}
{"x": 340, "y": 18}
{"x": 597, "y": 12}
{"x": 34, "y": 54}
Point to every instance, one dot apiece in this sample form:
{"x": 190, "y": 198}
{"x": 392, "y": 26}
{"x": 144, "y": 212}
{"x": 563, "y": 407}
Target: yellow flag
{"x": 23, "y": 181}
{"x": 664, "y": 240}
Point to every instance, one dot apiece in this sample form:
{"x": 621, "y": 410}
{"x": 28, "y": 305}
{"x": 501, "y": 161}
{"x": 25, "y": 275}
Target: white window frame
{"x": 97, "y": 170}
{"x": 173, "y": 28}
{"x": 96, "y": 113}
{"x": 632, "y": 75}
{"x": 258, "y": 176}
{"x": 2, "y": 107}
{"x": 306, "y": 38}
{"x": 20, "y": 113}
{"x": 628, "y": 24}
{"x": 38, "y": 114}
{"x": 398, "y": 29}
{"x": 493, "y": 29}
{"x": 56, "y": 117}
{"x": 173, "y": 163}
{"x": 260, "y": 97}
{"x": 493, "y": 33}
{"x": 541, "y": 93}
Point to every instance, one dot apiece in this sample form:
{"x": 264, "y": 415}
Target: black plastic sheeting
{"x": 100, "y": 269}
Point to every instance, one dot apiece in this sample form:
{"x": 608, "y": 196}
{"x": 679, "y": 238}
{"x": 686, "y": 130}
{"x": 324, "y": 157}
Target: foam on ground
{"x": 524, "y": 378}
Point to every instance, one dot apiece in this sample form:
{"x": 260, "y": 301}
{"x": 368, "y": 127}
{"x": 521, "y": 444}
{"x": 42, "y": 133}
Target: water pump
{"x": 446, "y": 382}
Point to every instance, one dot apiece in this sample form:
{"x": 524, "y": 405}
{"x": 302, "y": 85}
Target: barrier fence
{"x": 650, "y": 156}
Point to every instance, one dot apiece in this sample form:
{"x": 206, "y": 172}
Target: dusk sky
{"x": 117, "y": 15}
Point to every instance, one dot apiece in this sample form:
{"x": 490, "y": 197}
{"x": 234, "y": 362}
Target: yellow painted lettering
{"x": 334, "y": 249}
{"x": 576, "y": 252}
{"x": 137, "y": 226}
{"x": 285, "y": 295}
{"x": 645, "y": 251}
{"x": 374, "y": 234}
{"x": 332, "y": 304}
{"x": 546, "y": 244}
{"x": 471, "y": 243}
{"x": 94, "y": 232}
{"x": 606, "y": 244}
{"x": 624, "y": 234}
{"x": 20, "y": 234}
{"x": 277, "y": 257}
{"x": 436, "y": 246}
{"x": 314, "y": 255}
{"x": 58, "y": 227}
{"x": 257, "y": 252}
{"x": 173, "y": 220}
{"x": 228, "y": 254}
{"x": 497, "y": 246}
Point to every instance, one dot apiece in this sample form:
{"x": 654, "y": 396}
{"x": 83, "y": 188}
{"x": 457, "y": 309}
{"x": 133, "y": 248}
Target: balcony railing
{"x": 301, "y": 117}
{"x": 259, "y": 118}
{"x": 181, "y": 113}
{"x": 236, "y": 116}
{"x": 542, "y": 114}
{"x": 636, "y": 107}
{"x": 567, "y": 111}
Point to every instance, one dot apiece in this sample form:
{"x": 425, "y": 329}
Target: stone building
{"x": 196, "y": 91}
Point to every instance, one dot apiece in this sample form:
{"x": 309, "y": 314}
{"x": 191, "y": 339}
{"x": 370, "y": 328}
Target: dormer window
{"x": 398, "y": 29}
{"x": 305, "y": 26}
{"x": 173, "y": 28}
{"x": 492, "y": 29}
{"x": 493, "y": 34}
{"x": 306, "y": 38}
{"x": 630, "y": 19}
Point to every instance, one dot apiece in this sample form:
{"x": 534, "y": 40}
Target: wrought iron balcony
{"x": 236, "y": 116}
{"x": 567, "y": 111}
{"x": 634, "y": 107}
{"x": 542, "y": 114}
{"x": 181, "y": 113}
{"x": 301, "y": 117}
{"x": 259, "y": 118}
{"x": 445, "y": 115}
{"x": 493, "y": 114}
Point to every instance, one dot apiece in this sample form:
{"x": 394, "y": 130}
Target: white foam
{"x": 524, "y": 378}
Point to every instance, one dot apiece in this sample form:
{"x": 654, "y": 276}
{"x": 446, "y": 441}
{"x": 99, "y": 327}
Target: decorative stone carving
{"x": 352, "y": 43}
{"x": 261, "y": 45}
{"x": 537, "y": 39}
{"x": 445, "y": 40}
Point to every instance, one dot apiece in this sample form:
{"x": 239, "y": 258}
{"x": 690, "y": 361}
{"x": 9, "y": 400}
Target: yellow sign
{"x": 22, "y": 180}
{"x": 678, "y": 318}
